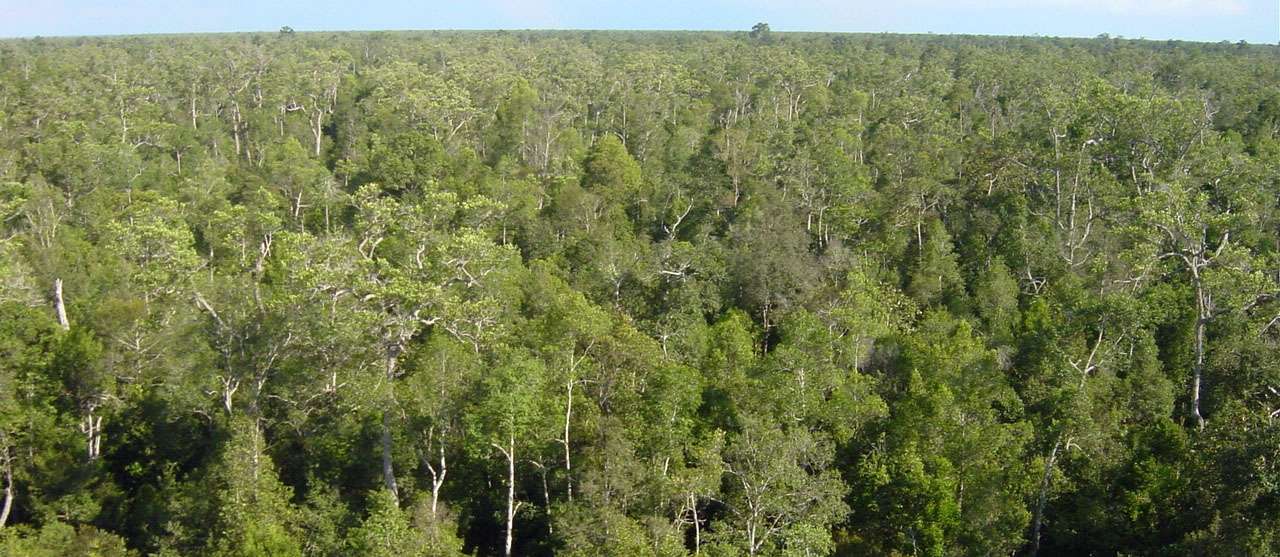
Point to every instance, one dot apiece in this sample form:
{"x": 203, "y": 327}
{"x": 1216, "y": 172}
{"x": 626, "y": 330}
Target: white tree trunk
{"x": 437, "y": 480}
{"x": 8, "y": 489}
{"x": 697, "y": 528}
{"x": 568, "y": 413}
{"x": 317, "y": 129}
{"x": 510, "y": 453}
{"x": 91, "y": 427}
{"x": 59, "y": 305}
{"x": 1203, "y": 314}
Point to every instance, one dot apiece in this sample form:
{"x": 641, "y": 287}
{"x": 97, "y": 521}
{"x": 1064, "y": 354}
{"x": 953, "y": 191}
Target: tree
{"x": 389, "y": 531}
{"x": 761, "y": 32}
{"x": 947, "y": 471}
{"x": 771, "y": 265}
{"x": 610, "y": 172}
{"x": 867, "y": 310}
{"x": 28, "y": 341}
{"x": 393, "y": 285}
{"x": 781, "y": 485}
{"x": 1182, "y": 226}
{"x": 427, "y": 100}
{"x": 996, "y": 301}
{"x": 567, "y": 330}
{"x": 58, "y": 539}
{"x": 935, "y": 275}
{"x": 297, "y": 178}
{"x": 444, "y": 375}
{"x": 77, "y": 362}
{"x": 511, "y": 132}
{"x": 254, "y": 517}
{"x": 507, "y": 414}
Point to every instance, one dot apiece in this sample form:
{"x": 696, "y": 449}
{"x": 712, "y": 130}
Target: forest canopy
{"x": 638, "y": 293}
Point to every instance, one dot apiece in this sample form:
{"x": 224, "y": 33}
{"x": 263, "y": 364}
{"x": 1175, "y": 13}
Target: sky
{"x": 1256, "y": 21}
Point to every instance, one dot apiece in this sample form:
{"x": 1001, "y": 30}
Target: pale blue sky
{"x": 1256, "y": 21}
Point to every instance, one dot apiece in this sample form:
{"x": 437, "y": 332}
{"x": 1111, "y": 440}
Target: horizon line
{"x": 1101, "y": 36}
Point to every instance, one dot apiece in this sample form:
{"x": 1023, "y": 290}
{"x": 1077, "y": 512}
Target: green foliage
{"x": 935, "y": 276}
{"x": 615, "y": 293}
{"x": 254, "y": 515}
{"x": 610, "y": 168}
{"x": 389, "y": 531}
{"x": 58, "y": 539}
{"x": 782, "y": 490}
{"x": 996, "y": 302}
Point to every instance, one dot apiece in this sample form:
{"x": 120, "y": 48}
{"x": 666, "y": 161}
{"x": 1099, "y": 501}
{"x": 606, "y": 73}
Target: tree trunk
{"x": 124, "y": 125}
{"x": 546, "y": 497}
{"x": 97, "y": 437}
{"x": 437, "y": 480}
{"x": 193, "y": 107}
{"x": 317, "y": 130}
{"x": 235, "y": 125}
{"x": 8, "y": 489}
{"x": 1202, "y": 313}
{"x": 510, "y": 451}
{"x": 697, "y": 528}
{"x": 919, "y": 238}
{"x": 388, "y": 468}
{"x": 1044, "y": 494}
{"x": 92, "y": 429}
{"x": 59, "y": 305}
{"x": 568, "y": 412}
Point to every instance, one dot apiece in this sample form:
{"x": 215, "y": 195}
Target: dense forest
{"x": 613, "y": 293}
